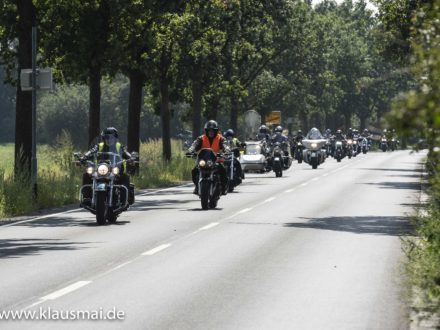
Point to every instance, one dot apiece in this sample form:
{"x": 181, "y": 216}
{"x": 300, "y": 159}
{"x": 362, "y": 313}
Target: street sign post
{"x": 32, "y": 80}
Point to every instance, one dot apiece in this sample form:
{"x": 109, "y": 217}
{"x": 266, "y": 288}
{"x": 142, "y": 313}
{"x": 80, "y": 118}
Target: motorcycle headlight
{"x": 349, "y": 142}
{"x": 89, "y": 170}
{"x": 202, "y": 163}
{"x": 314, "y": 145}
{"x": 115, "y": 170}
{"x": 103, "y": 169}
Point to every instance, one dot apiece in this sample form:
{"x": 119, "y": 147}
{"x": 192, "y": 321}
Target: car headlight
{"x": 115, "y": 170}
{"x": 202, "y": 163}
{"x": 103, "y": 169}
{"x": 90, "y": 170}
{"x": 314, "y": 145}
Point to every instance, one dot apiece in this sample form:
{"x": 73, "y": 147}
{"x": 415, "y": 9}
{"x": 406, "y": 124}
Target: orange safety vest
{"x": 215, "y": 143}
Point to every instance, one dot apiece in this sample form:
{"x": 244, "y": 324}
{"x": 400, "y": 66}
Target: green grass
{"x": 59, "y": 179}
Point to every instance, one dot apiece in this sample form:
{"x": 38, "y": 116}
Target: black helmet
{"x": 299, "y": 132}
{"x": 338, "y": 131}
{"x": 109, "y": 136}
{"x": 109, "y": 131}
{"x": 212, "y": 124}
{"x": 229, "y": 133}
{"x": 263, "y": 129}
{"x": 350, "y": 129}
{"x": 278, "y": 129}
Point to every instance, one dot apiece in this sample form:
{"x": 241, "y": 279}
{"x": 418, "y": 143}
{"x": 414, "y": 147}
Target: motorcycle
{"x": 299, "y": 148}
{"x": 108, "y": 198}
{"x": 393, "y": 144}
{"x": 349, "y": 148}
{"x": 384, "y": 144}
{"x": 339, "y": 151}
{"x": 355, "y": 147}
{"x": 314, "y": 154}
{"x": 276, "y": 159}
{"x": 364, "y": 145}
{"x": 209, "y": 185}
{"x": 231, "y": 165}
{"x": 328, "y": 147}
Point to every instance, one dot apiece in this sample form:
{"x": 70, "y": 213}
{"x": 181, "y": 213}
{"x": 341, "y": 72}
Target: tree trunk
{"x": 363, "y": 122}
{"x": 197, "y": 103}
{"x": 94, "y": 103}
{"x": 166, "y": 118}
{"x": 137, "y": 80}
{"x": 234, "y": 113}
{"x": 347, "y": 121}
{"x": 23, "y": 112}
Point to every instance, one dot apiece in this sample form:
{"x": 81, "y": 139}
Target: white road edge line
{"x": 304, "y": 184}
{"x": 289, "y": 190}
{"x": 156, "y": 250}
{"x": 324, "y": 175}
{"x": 315, "y": 179}
{"x": 268, "y": 200}
{"x": 244, "y": 210}
{"x": 66, "y": 290}
{"x": 211, "y": 225}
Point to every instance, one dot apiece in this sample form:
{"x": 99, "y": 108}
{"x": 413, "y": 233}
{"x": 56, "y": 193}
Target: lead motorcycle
{"x": 314, "y": 153}
{"x": 108, "y": 198}
{"x": 209, "y": 185}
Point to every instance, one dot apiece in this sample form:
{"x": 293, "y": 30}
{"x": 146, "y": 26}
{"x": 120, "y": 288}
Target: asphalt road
{"x": 315, "y": 249}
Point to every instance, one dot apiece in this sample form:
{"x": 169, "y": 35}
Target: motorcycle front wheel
{"x": 204, "y": 194}
{"x": 101, "y": 207}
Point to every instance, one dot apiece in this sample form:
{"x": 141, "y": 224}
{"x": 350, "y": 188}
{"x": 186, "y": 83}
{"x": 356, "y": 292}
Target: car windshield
{"x": 253, "y": 149}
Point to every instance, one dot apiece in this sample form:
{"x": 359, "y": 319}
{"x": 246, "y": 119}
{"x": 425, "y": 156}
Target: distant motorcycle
{"x": 209, "y": 185}
{"x": 364, "y": 145}
{"x": 298, "y": 152}
{"x": 314, "y": 154}
{"x": 108, "y": 199}
{"x": 276, "y": 159}
{"x": 383, "y": 144}
{"x": 349, "y": 148}
{"x": 339, "y": 151}
{"x": 393, "y": 144}
{"x": 231, "y": 165}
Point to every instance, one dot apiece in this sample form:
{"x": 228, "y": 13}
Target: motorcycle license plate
{"x": 101, "y": 187}
{"x": 313, "y": 154}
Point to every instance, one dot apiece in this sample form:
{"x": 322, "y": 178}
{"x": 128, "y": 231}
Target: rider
{"x": 215, "y": 141}
{"x": 109, "y": 143}
{"x": 283, "y": 140}
{"x": 350, "y": 134}
{"x": 296, "y": 139}
{"x": 234, "y": 142}
{"x": 263, "y": 133}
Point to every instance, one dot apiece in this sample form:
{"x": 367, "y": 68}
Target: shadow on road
{"x": 15, "y": 248}
{"x": 418, "y": 170}
{"x": 379, "y": 225}
{"x": 159, "y": 204}
{"x": 397, "y": 185}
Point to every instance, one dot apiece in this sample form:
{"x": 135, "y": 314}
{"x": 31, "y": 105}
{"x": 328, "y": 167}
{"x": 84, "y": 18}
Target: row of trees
{"x": 321, "y": 65}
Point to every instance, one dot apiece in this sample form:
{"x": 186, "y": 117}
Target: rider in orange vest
{"x": 211, "y": 139}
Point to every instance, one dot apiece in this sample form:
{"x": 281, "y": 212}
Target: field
{"x": 59, "y": 178}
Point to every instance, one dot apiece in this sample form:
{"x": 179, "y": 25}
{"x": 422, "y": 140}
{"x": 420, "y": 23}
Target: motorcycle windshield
{"x": 207, "y": 154}
{"x": 110, "y": 158}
